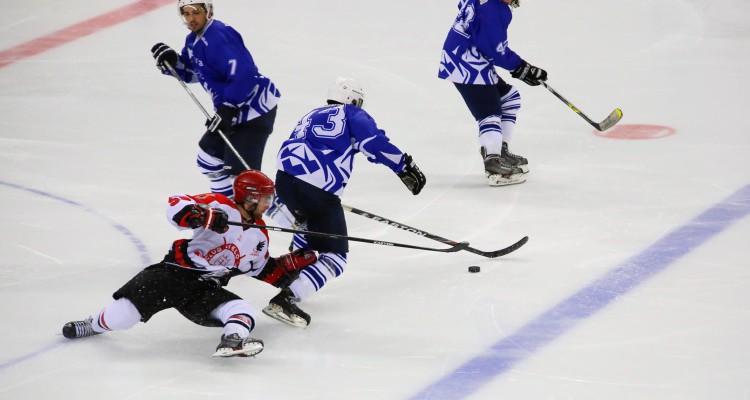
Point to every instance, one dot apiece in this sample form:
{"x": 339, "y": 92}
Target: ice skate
{"x": 499, "y": 172}
{"x": 282, "y": 308}
{"x": 235, "y": 346}
{"x": 514, "y": 159}
{"x": 79, "y": 329}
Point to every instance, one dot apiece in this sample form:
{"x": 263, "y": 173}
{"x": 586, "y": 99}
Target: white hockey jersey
{"x": 237, "y": 251}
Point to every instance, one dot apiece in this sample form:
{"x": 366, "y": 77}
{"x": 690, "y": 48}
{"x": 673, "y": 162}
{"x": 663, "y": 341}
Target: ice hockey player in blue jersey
{"x": 245, "y": 101}
{"x": 476, "y": 44}
{"x": 314, "y": 166}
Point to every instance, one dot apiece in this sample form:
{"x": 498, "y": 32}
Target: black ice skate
{"x": 499, "y": 172}
{"x": 79, "y": 329}
{"x": 514, "y": 159}
{"x": 235, "y": 346}
{"x": 282, "y": 308}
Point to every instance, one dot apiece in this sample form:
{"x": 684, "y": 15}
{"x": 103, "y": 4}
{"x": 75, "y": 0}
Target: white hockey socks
{"x": 495, "y": 129}
{"x": 491, "y": 134}
{"x": 280, "y": 213}
{"x": 120, "y": 315}
{"x": 213, "y": 168}
{"x": 314, "y": 276}
{"x": 237, "y": 317}
{"x": 511, "y": 104}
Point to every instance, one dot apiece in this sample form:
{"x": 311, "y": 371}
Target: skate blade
{"x": 278, "y": 314}
{"x": 505, "y": 180}
{"x": 250, "y": 350}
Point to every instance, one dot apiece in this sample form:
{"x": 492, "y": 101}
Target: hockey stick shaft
{"x": 456, "y": 247}
{"x": 205, "y": 112}
{"x": 613, "y": 118}
{"x": 488, "y": 254}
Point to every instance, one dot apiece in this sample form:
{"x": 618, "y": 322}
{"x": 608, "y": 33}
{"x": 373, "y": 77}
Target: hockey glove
{"x": 202, "y": 216}
{"x": 219, "y": 279}
{"x": 164, "y": 54}
{"x": 412, "y": 177}
{"x": 529, "y": 74}
{"x": 222, "y": 120}
{"x": 282, "y": 270}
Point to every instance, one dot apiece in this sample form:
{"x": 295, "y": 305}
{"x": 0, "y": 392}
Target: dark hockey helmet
{"x": 251, "y": 185}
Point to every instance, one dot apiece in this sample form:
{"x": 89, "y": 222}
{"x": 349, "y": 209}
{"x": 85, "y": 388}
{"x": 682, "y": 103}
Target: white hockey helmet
{"x": 346, "y": 91}
{"x": 208, "y": 4}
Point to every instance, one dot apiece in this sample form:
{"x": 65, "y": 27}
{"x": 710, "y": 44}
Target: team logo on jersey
{"x": 226, "y": 255}
{"x": 259, "y": 248}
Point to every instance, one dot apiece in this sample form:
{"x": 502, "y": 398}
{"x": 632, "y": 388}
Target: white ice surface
{"x": 93, "y": 139}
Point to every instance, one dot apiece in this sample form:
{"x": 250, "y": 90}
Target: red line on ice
{"x": 79, "y": 30}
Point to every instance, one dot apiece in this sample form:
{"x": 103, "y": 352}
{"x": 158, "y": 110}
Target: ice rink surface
{"x": 634, "y": 284}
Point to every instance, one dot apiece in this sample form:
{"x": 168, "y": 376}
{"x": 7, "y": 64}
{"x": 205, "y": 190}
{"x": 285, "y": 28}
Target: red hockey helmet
{"x": 251, "y": 185}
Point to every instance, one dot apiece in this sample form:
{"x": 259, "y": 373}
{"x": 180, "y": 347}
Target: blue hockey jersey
{"x": 219, "y": 60}
{"x": 477, "y": 42}
{"x": 321, "y": 149}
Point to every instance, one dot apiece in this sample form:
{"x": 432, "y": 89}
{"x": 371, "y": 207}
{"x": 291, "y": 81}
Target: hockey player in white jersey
{"x": 192, "y": 276}
{"x": 314, "y": 166}
{"x": 215, "y": 56}
{"x": 477, "y": 43}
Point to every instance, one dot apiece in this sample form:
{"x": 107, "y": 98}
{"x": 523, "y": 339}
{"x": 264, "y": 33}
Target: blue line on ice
{"x": 503, "y": 355}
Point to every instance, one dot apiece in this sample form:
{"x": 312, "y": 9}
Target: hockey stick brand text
{"x": 395, "y": 224}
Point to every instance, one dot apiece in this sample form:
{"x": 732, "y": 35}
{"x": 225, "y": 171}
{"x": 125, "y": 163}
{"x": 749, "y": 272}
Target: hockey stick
{"x": 208, "y": 116}
{"x": 607, "y": 123}
{"x": 489, "y": 254}
{"x": 456, "y": 246}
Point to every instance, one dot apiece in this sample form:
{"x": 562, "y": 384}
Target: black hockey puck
{"x": 474, "y": 268}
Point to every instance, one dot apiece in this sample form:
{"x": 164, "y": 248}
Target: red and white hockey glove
{"x": 282, "y": 270}
{"x": 202, "y": 216}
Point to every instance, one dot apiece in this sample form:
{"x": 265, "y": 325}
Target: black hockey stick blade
{"x": 419, "y": 232}
{"x": 499, "y": 253}
{"x": 456, "y": 246}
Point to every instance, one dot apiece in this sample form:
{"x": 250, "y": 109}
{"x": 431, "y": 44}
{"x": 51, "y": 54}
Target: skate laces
{"x": 509, "y": 154}
{"x": 233, "y": 341}
{"x": 79, "y": 329}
